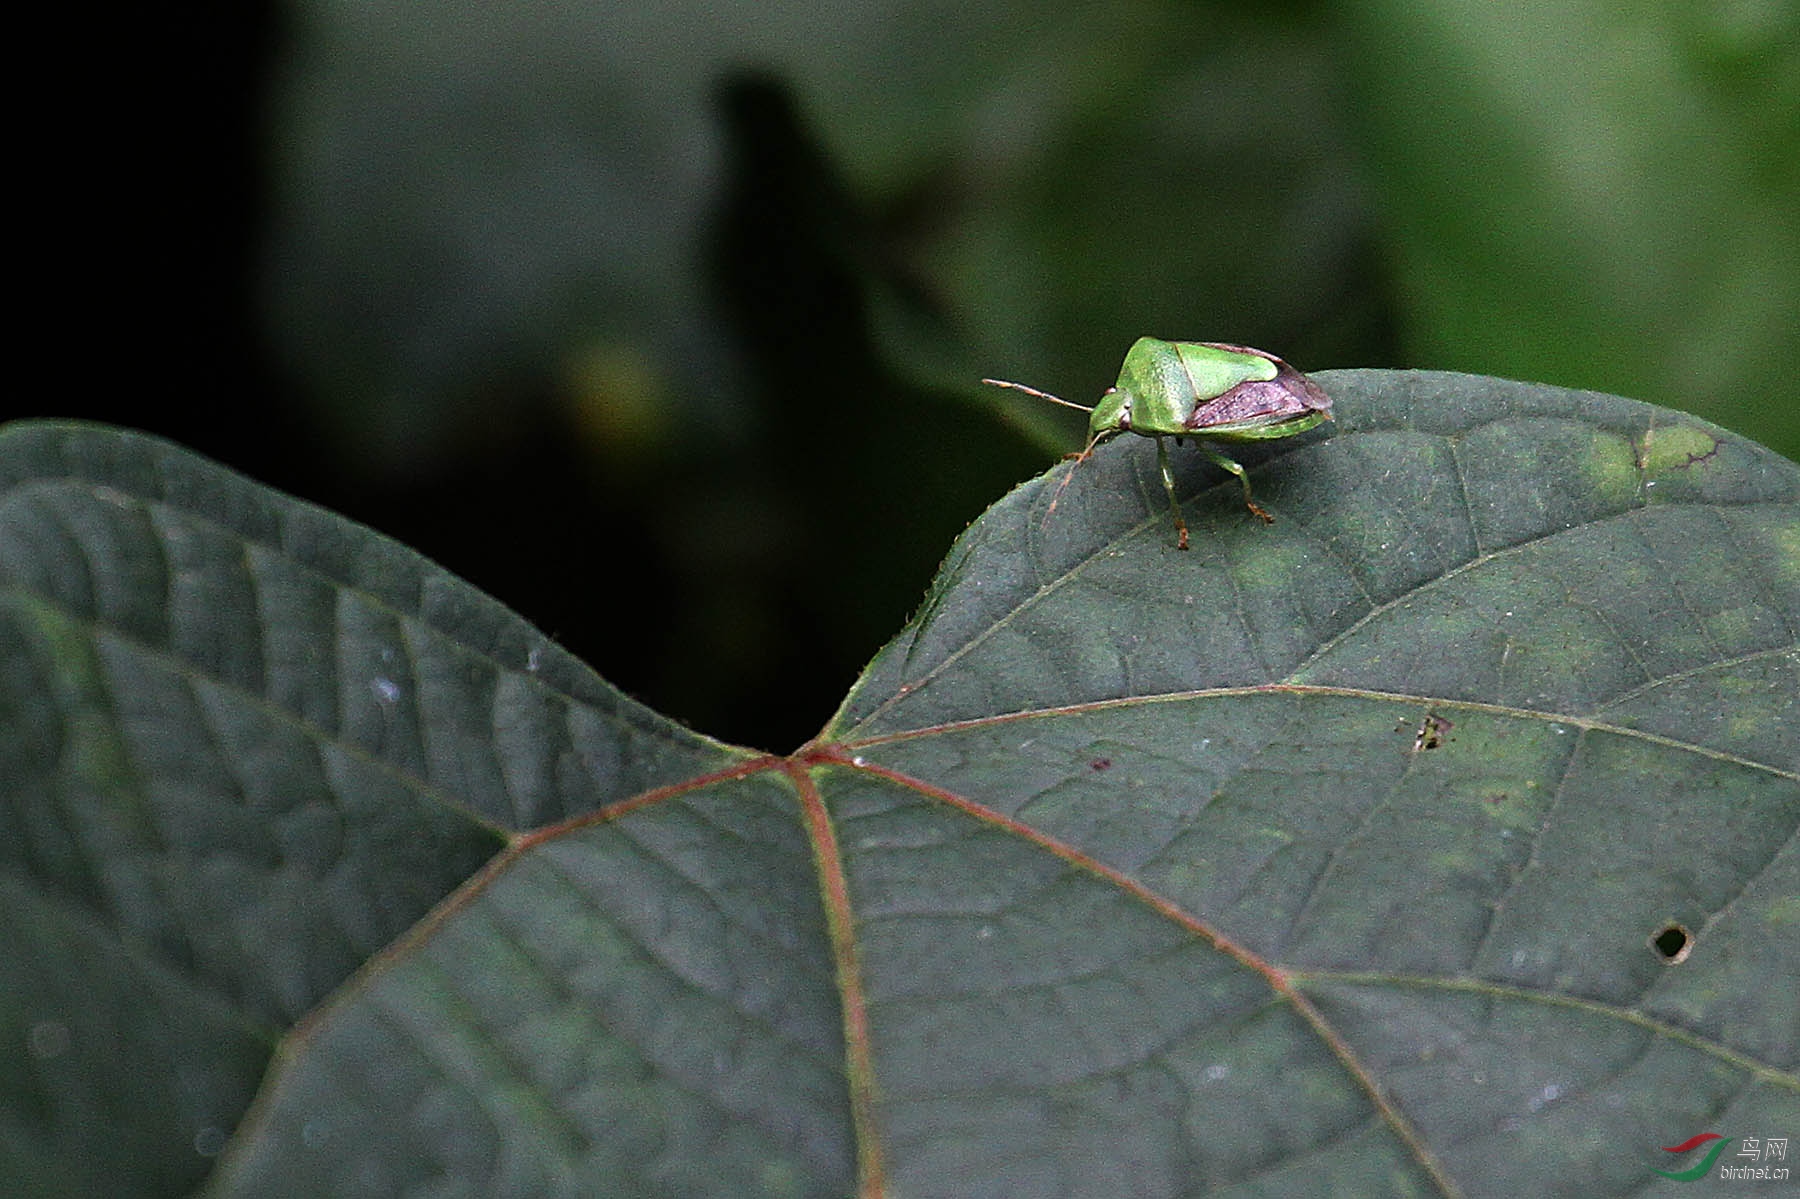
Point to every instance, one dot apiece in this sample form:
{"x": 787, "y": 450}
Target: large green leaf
{"x": 1438, "y": 839}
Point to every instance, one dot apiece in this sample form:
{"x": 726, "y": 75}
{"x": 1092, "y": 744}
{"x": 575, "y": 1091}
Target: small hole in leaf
{"x": 1672, "y": 943}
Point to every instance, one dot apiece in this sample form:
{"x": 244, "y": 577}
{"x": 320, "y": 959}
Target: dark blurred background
{"x": 661, "y": 321}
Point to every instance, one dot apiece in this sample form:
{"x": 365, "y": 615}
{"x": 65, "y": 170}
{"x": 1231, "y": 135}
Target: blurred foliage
{"x": 1600, "y": 194}
{"x": 550, "y": 290}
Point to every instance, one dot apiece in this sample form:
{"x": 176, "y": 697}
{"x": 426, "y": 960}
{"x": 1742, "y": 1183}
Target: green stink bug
{"x": 1206, "y": 390}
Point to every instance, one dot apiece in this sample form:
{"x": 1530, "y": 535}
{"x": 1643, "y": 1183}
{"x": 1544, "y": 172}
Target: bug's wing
{"x": 1288, "y": 395}
{"x": 1257, "y": 400}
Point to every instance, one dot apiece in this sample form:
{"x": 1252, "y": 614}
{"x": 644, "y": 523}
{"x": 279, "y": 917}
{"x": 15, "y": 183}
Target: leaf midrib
{"x": 1412, "y": 700}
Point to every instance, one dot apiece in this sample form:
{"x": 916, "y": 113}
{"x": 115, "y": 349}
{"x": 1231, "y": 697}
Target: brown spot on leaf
{"x": 1434, "y": 730}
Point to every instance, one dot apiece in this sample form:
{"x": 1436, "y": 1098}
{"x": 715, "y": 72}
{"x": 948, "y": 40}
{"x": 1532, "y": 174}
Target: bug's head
{"x": 1111, "y": 415}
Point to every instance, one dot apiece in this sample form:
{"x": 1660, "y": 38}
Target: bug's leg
{"x": 1243, "y": 477}
{"x": 1085, "y": 454}
{"x": 1168, "y": 477}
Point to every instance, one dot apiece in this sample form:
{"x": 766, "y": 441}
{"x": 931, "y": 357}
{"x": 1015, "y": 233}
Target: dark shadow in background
{"x": 869, "y": 479}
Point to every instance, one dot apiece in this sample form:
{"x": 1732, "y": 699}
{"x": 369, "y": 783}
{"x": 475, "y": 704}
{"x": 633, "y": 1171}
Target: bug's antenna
{"x": 1042, "y": 395}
